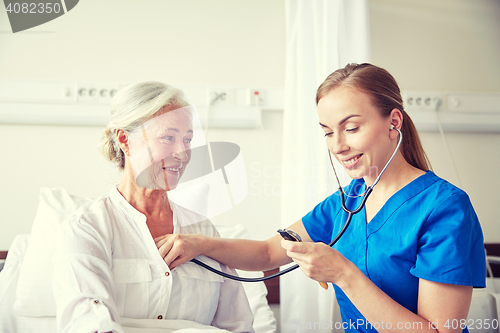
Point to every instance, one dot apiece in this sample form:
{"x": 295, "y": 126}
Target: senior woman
{"x": 107, "y": 265}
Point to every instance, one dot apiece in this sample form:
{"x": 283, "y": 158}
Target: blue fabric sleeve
{"x": 319, "y": 222}
{"x": 450, "y": 244}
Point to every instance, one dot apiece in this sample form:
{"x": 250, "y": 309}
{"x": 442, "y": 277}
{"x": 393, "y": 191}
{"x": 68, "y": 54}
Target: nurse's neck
{"x": 398, "y": 174}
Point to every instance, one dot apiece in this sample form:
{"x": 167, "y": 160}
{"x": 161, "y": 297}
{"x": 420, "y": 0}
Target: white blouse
{"x": 107, "y": 266}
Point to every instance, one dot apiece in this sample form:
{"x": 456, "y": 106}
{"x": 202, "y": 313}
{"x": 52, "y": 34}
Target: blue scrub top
{"x": 427, "y": 230}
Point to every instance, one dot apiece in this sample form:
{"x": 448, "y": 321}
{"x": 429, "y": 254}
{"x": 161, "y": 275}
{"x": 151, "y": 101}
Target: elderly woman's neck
{"x": 148, "y": 202}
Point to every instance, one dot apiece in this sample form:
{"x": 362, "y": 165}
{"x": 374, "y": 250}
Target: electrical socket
{"x": 422, "y": 100}
{"x": 96, "y": 93}
{"x": 221, "y": 96}
{"x": 256, "y": 97}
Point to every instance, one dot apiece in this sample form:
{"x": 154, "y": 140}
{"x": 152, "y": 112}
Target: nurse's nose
{"x": 338, "y": 144}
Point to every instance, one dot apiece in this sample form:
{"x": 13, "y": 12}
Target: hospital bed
{"x": 26, "y": 301}
{"x": 484, "y": 312}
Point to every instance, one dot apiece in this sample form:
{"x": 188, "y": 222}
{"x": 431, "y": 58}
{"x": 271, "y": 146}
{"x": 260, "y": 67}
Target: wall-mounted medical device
{"x": 457, "y": 112}
{"x": 87, "y": 103}
{"x": 66, "y": 102}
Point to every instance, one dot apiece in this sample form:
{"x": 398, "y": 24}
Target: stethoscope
{"x": 350, "y": 214}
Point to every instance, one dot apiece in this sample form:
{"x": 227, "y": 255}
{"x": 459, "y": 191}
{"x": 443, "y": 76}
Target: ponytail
{"x": 412, "y": 149}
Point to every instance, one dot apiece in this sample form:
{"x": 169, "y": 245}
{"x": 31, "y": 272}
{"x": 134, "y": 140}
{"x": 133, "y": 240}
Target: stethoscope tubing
{"x": 244, "y": 279}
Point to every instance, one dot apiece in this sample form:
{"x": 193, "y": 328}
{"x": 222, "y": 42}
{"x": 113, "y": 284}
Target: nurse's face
{"x": 356, "y": 134}
{"x": 168, "y": 136}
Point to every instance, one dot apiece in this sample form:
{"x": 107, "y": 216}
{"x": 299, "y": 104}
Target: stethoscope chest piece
{"x": 290, "y": 235}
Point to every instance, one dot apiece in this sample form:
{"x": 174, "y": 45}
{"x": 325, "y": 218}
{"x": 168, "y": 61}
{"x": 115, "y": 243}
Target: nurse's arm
{"x": 445, "y": 305}
{"x": 242, "y": 254}
{"x": 442, "y": 303}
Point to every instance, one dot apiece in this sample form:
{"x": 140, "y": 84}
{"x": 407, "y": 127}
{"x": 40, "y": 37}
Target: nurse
{"x": 410, "y": 258}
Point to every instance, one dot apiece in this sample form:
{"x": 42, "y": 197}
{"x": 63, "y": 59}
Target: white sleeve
{"x": 233, "y": 311}
{"x": 83, "y": 282}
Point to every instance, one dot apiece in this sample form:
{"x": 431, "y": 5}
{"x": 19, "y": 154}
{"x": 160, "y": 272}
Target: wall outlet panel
{"x": 70, "y": 102}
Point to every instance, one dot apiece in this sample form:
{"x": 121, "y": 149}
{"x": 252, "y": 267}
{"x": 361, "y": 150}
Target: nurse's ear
{"x": 396, "y": 122}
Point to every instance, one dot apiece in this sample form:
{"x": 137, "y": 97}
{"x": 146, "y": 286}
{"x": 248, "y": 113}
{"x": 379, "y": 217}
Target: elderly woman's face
{"x": 161, "y": 148}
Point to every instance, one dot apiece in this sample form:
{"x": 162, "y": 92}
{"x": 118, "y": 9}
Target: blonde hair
{"x": 131, "y": 107}
{"x": 381, "y": 86}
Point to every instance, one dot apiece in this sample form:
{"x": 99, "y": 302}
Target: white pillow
{"x": 34, "y": 289}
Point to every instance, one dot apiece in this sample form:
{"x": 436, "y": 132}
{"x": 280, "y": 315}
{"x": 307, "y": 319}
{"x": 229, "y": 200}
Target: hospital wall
{"x": 193, "y": 42}
{"x": 449, "y": 45}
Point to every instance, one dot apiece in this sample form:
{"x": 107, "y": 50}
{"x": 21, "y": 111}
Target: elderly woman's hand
{"x": 177, "y": 249}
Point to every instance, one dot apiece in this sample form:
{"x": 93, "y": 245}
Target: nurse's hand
{"x": 177, "y": 249}
{"x": 318, "y": 261}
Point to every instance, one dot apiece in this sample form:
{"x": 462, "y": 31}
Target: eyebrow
{"x": 343, "y": 120}
{"x": 176, "y": 130}
{"x": 348, "y": 117}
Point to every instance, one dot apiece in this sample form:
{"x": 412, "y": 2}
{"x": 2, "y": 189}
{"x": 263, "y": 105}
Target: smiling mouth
{"x": 172, "y": 169}
{"x": 351, "y": 161}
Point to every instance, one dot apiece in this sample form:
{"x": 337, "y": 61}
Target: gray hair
{"x": 132, "y": 106}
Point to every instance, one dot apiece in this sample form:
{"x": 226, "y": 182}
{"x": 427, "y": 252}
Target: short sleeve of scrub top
{"x": 427, "y": 230}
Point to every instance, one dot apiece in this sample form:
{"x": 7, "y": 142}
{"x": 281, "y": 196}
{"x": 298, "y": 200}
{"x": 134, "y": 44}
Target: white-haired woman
{"x": 108, "y": 265}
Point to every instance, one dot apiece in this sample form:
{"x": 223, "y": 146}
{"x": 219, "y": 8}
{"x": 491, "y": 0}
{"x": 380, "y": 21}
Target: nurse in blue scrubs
{"x": 410, "y": 258}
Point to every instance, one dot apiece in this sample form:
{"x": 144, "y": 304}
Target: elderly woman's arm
{"x": 83, "y": 281}
{"x": 233, "y": 310}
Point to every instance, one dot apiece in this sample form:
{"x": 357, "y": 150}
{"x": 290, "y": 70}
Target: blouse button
{"x": 167, "y": 273}
{"x": 160, "y": 317}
